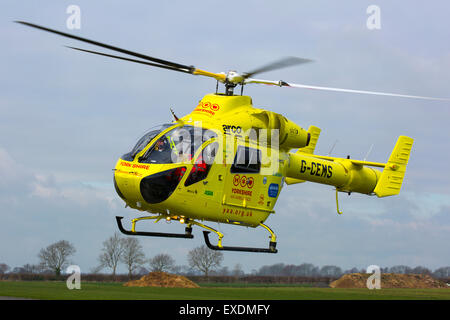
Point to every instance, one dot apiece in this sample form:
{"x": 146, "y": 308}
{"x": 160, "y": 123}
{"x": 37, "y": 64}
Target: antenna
{"x": 368, "y": 152}
{"x": 331, "y": 150}
{"x": 173, "y": 113}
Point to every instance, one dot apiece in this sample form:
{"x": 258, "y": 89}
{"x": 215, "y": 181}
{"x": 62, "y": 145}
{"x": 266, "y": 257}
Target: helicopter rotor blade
{"x": 281, "y": 83}
{"x": 110, "y": 47}
{"x": 129, "y": 59}
{"x": 160, "y": 62}
{"x": 279, "y": 64}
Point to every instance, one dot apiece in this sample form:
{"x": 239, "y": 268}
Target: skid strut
{"x": 219, "y": 246}
{"x": 188, "y": 234}
{"x": 188, "y": 231}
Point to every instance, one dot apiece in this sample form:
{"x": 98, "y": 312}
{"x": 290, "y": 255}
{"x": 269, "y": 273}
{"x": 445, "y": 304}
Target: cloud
{"x": 39, "y": 209}
{"x": 396, "y": 232}
{"x": 18, "y": 183}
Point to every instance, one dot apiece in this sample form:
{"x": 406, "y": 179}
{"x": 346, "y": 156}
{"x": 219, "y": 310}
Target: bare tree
{"x": 32, "y": 268}
{"x": 237, "y": 270}
{"x": 162, "y": 262}
{"x": 4, "y": 268}
{"x": 141, "y": 271}
{"x": 272, "y": 270}
{"x": 133, "y": 255}
{"x": 56, "y": 255}
{"x": 111, "y": 253}
{"x": 308, "y": 269}
{"x": 289, "y": 270}
{"x": 224, "y": 271}
{"x": 400, "y": 269}
{"x": 443, "y": 272}
{"x": 330, "y": 271}
{"x": 355, "y": 270}
{"x": 421, "y": 270}
{"x": 204, "y": 259}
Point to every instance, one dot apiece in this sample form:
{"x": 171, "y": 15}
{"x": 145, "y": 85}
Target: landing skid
{"x": 188, "y": 232}
{"x": 271, "y": 248}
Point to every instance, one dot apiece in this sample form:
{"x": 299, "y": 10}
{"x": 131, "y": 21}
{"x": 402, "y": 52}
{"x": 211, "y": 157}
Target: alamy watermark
{"x": 74, "y": 280}
{"x": 74, "y": 19}
{"x": 374, "y": 281}
{"x": 373, "y": 22}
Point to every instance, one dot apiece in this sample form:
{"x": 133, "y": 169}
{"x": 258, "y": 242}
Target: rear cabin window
{"x": 247, "y": 160}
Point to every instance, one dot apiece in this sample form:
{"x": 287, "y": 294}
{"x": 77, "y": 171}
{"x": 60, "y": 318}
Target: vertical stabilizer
{"x": 392, "y": 176}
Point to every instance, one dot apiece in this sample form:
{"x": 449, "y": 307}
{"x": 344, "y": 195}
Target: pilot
{"x": 161, "y": 144}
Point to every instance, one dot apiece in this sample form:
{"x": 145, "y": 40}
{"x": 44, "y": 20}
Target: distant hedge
{"x": 318, "y": 281}
{"x": 314, "y": 281}
{"x": 63, "y": 277}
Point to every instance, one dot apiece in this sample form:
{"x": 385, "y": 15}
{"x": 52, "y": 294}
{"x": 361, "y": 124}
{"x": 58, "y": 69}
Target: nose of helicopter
{"x": 126, "y": 182}
{"x": 126, "y": 185}
{"x": 153, "y": 188}
{"x": 117, "y": 188}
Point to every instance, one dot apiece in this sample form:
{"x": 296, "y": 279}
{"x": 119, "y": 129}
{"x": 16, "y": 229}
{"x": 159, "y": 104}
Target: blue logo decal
{"x": 273, "y": 190}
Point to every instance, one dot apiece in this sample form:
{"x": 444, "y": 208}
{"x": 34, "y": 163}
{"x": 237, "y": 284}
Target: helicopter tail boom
{"x": 349, "y": 175}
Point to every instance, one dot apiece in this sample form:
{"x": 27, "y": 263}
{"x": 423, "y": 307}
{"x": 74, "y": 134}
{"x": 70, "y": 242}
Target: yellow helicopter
{"x": 227, "y": 161}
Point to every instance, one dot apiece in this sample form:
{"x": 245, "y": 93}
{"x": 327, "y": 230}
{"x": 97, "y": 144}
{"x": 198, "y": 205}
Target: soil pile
{"x": 162, "y": 279}
{"x": 389, "y": 280}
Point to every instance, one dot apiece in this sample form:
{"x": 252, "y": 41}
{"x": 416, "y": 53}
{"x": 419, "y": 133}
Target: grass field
{"x": 112, "y": 291}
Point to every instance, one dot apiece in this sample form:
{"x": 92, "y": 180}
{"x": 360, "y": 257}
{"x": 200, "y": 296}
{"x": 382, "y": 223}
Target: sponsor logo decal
{"x": 273, "y": 190}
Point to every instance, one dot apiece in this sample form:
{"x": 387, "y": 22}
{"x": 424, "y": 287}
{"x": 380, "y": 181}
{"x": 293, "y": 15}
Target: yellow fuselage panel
{"x": 240, "y": 198}
{"x": 235, "y": 115}
{"x": 341, "y": 173}
{"x": 228, "y": 198}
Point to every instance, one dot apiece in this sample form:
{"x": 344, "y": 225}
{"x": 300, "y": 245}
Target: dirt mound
{"x": 162, "y": 279}
{"x": 389, "y": 280}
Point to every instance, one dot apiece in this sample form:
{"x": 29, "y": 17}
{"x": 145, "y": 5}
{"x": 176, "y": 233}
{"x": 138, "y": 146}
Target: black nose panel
{"x": 159, "y": 186}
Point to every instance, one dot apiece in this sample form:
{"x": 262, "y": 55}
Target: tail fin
{"x": 314, "y": 133}
{"x": 392, "y": 176}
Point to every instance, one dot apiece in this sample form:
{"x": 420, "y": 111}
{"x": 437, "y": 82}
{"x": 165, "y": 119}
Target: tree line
{"x": 116, "y": 250}
{"x": 310, "y": 270}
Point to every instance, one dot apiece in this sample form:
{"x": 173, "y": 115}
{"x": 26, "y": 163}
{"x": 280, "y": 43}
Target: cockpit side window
{"x": 176, "y": 146}
{"x": 144, "y": 141}
{"x": 161, "y": 151}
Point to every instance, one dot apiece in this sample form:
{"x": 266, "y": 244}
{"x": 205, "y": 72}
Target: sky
{"x": 66, "y": 117}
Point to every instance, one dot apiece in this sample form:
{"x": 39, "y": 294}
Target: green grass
{"x": 250, "y": 285}
{"x": 111, "y": 291}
